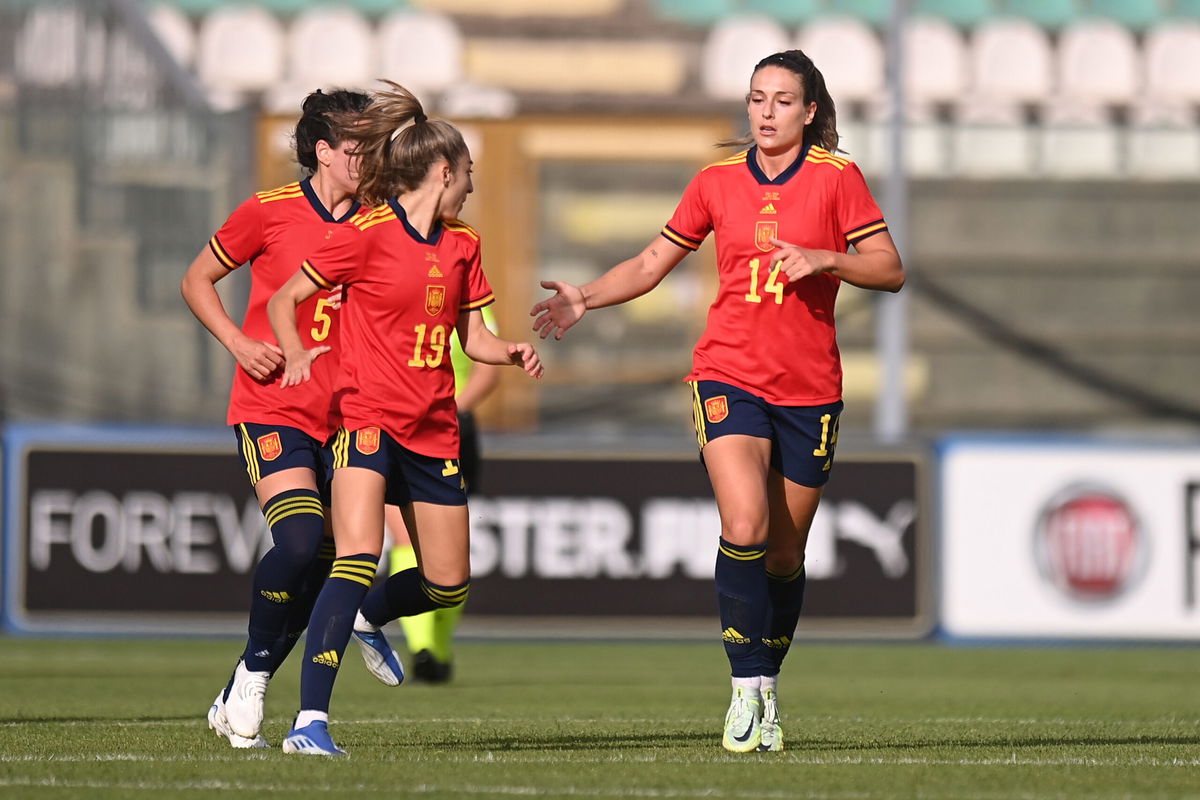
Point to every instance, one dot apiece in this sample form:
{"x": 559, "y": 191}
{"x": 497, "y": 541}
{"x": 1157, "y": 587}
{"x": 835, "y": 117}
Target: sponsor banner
{"x": 127, "y": 530}
{"x": 148, "y": 530}
{"x": 638, "y": 537}
{"x": 1070, "y": 539}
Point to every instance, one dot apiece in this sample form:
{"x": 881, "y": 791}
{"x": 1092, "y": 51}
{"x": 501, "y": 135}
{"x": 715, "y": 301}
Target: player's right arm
{"x": 631, "y": 278}
{"x": 281, "y": 310}
{"x": 259, "y": 359}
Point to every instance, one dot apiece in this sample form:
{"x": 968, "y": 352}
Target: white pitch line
{"x": 623, "y": 758}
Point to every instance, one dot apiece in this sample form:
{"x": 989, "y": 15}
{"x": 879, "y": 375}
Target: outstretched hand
{"x": 525, "y": 356}
{"x": 558, "y": 313}
{"x": 798, "y": 262}
{"x": 298, "y": 369}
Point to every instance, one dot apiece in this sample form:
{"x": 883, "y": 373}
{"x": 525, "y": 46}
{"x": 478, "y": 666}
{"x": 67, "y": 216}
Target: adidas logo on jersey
{"x": 769, "y": 208}
{"x": 434, "y": 272}
{"x": 329, "y": 658}
{"x": 276, "y": 597}
{"x": 731, "y": 635}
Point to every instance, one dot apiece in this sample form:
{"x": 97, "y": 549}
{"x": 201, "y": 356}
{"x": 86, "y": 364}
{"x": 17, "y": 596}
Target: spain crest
{"x": 435, "y": 298}
{"x": 366, "y": 440}
{"x": 764, "y": 232}
{"x": 269, "y": 446}
{"x": 716, "y": 408}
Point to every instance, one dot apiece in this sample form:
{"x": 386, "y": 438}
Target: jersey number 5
{"x": 323, "y": 321}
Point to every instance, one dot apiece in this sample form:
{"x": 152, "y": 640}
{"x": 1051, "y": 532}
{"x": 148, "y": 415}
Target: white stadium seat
{"x": 240, "y": 49}
{"x": 331, "y": 46}
{"x": 1171, "y": 62}
{"x": 935, "y": 61}
{"x": 421, "y": 51}
{"x": 1011, "y": 62}
{"x": 849, "y": 55}
{"x": 1098, "y": 62}
{"x": 733, "y": 46}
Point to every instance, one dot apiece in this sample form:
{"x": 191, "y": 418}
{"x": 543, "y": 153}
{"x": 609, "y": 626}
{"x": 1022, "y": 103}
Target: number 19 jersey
{"x": 770, "y": 337}
{"x": 404, "y": 293}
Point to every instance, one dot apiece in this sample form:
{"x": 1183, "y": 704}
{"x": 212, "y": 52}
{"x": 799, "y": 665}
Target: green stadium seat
{"x": 1050, "y": 14}
{"x": 1187, "y": 9}
{"x": 872, "y": 12}
{"x": 695, "y": 12}
{"x": 1136, "y": 14}
{"x": 789, "y": 12}
{"x": 965, "y": 13}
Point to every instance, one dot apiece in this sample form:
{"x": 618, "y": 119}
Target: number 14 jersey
{"x": 770, "y": 337}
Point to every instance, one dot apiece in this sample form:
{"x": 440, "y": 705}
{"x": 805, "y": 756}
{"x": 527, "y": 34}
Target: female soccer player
{"x": 412, "y": 275}
{"x": 766, "y": 374}
{"x": 279, "y": 434}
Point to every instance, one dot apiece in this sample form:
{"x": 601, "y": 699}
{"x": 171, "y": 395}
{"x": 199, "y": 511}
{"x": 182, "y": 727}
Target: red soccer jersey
{"x": 274, "y": 231}
{"x": 764, "y": 335}
{"x": 403, "y": 297}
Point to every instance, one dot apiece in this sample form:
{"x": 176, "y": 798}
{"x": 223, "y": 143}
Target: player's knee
{"x": 297, "y": 522}
{"x": 446, "y": 596}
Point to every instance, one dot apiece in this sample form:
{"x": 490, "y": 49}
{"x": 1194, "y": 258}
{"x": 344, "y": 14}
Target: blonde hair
{"x": 397, "y": 144}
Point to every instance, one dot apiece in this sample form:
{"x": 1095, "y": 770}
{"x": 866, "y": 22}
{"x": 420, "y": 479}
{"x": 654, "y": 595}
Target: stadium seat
{"x": 873, "y": 12}
{"x": 1186, "y": 9}
{"x": 700, "y": 13}
{"x": 331, "y": 46}
{"x": 965, "y": 13}
{"x": 1138, "y": 15}
{"x": 239, "y": 49}
{"x": 421, "y": 50}
{"x": 48, "y": 49}
{"x": 935, "y": 61}
{"x": 175, "y": 31}
{"x": 1171, "y": 63}
{"x": 788, "y": 12}
{"x": 849, "y": 55}
{"x": 1010, "y": 62}
{"x": 731, "y": 50}
{"x": 1048, "y": 14}
{"x": 1098, "y": 62}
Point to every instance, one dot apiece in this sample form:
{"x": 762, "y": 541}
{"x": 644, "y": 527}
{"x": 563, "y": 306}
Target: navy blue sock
{"x": 297, "y": 522}
{"x": 407, "y": 593}
{"x": 302, "y": 608}
{"x": 742, "y": 602}
{"x": 786, "y": 593}
{"x": 330, "y": 626}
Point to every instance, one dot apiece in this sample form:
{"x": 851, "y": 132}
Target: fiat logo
{"x": 1089, "y": 544}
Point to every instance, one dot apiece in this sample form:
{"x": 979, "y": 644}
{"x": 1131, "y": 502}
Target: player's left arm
{"x": 481, "y": 345}
{"x": 874, "y": 264}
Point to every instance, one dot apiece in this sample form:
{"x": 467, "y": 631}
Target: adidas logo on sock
{"x": 329, "y": 658}
{"x": 276, "y": 597}
{"x": 262, "y": 654}
{"x": 781, "y": 643}
{"x": 731, "y": 635}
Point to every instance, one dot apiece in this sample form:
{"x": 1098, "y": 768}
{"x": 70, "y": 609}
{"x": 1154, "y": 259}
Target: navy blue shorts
{"x": 267, "y": 449}
{"x": 803, "y": 438}
{"x": 410, "y": 476}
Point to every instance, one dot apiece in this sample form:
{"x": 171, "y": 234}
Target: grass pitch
{"x": 126, "y": 718}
